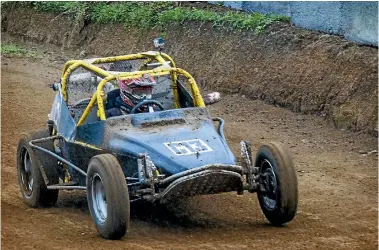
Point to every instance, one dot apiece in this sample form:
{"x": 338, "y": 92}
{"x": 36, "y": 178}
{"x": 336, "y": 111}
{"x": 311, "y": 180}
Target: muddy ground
{"x": 337, "y": 183}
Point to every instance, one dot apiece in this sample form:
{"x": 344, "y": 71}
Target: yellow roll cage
{"x": 108, "y": 76}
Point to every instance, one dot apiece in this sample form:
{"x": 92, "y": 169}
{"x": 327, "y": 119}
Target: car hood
{"x": 174, "y": 141}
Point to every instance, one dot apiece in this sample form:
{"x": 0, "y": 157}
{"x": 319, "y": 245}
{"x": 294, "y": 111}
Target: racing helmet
{"x": 133, "y": 91}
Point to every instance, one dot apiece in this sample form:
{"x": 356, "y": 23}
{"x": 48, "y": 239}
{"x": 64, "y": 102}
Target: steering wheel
{"x": 146, "y": 102}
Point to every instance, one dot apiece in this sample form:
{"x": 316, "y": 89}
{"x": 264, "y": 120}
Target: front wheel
{"x": 108, "y": 197}
{"x": 278, "y": 192}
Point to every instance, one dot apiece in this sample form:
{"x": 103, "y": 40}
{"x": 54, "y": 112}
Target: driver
{"x": 131, "y": 92}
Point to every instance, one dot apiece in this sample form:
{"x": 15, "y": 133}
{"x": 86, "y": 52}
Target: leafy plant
{"x": 13, "y": 50}
{"x": 147, "y": 15}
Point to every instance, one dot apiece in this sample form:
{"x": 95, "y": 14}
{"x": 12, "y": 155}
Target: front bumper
{"x": 209, "y": 179}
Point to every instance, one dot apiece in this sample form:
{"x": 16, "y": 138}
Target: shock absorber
{"x": 252, "y": 172}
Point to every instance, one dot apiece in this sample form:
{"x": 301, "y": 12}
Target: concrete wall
{"x": 322, "y": 16}
{"x": 281, "y": 8}
{"x": 356, "y": 21}
{"x": 360, "y": 21}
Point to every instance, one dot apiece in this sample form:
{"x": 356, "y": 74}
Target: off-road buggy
{"x": 166, "y": 154}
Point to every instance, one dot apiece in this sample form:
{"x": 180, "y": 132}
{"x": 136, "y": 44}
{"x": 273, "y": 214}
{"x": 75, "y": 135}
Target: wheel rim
{"x": 99, "y": 203}
{"x": 269, "y": 183}
{"x": 26, "y": 172}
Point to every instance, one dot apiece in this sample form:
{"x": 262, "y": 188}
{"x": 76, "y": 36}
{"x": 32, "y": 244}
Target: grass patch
{"x": 148, "y": 15}
{"x": 12, "y": 50}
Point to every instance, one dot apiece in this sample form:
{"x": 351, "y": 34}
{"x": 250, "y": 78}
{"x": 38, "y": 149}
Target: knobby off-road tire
{"x": 32, "y": 184}
{"x": 278, "y": 177}
{"x": 108, "y": 197}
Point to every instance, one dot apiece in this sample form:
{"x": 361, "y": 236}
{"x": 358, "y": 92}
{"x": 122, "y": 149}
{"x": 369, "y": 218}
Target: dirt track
{"x": 337, "y": 184}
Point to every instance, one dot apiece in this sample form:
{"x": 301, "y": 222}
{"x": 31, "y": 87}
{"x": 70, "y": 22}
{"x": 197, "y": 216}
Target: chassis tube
{"x": 232, "y": 168}
{"x": 65, "y": 187}
{"x": 53, "y": 154}
{"x": 220, "y": 127}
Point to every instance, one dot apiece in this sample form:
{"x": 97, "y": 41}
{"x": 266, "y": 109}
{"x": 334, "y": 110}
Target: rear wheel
{"x": 108, "y": 197}
{"x": 32, "y": 184}
{"x": 278, "y": 191}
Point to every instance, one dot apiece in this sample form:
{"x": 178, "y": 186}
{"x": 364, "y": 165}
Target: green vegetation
{"x": 156, "y": 14}
{"x": 13, "y": 50}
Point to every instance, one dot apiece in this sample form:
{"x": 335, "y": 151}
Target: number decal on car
{"x": 189, "y": 147}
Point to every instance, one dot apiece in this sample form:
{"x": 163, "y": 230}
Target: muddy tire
{"x": 108, "y": 197}
{"x": 31, "y": 182}
{"x": 278, "y": 191}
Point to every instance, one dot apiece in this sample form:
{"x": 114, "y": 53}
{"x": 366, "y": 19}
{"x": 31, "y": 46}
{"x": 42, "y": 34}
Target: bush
{"x": 157, "y": 14}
